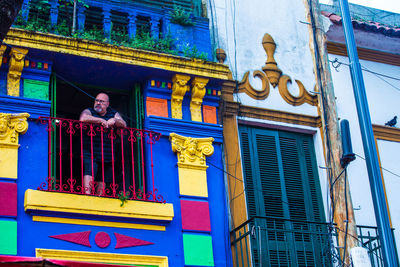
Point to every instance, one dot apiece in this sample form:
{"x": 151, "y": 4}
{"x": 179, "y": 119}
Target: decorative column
{"x": 80, "y": 14}
{"x": 192, "y": 166}
{"x": 198, "y": 92}
{"x": 195, "y": 209}
{"x": 179, "y": 89}
{"x": 155, "y": 27}
{"x": 165, "y": 25}
{"x": 15, "y": 69}
{"x": 11, "y": 125}
{"x": 53, "y": 12}
{"x": 2, "y": 50}
{"x": 25, "y": 10}
{"x": 107, "y": 22}
{"x": 132, "y": 25}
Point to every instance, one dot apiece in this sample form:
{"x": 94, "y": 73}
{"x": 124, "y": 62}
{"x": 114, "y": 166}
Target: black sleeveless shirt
{"x": 97, "y": 155}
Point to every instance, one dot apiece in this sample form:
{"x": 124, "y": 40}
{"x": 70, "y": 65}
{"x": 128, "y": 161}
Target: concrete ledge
{"x": 89, "y": 205}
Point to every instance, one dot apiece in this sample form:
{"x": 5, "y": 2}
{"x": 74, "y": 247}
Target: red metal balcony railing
{"x": 74, "y": 144}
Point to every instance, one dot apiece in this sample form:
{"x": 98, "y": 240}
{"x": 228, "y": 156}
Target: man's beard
{"x": 98, "y": 109}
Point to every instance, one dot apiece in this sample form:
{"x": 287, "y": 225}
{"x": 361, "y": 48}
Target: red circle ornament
{"x": 102, "y": 239}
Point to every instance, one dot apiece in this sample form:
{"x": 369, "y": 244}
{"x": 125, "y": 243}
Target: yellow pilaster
{"x": 2, "y": 50}
{"x": 191, "y": 153}
{"x": 198, "y": 92}
{"x": 15, "y": 69}
{"x": 11, "y": 125}
{"x": 179, "y": 89}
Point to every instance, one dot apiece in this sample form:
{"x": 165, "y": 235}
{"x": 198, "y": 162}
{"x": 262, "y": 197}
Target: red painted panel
{"x": 124, "y": 241}
{"x": 195, "y": 215}
{"x": 8, "y": 199}
{"x": 81, "y": 238}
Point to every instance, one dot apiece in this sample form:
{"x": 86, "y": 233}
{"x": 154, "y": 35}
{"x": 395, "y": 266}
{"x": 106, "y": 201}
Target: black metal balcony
{"x": 269, "y": 241}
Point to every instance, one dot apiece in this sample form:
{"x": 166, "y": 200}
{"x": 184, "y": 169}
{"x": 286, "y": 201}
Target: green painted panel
{"x": 198, "y": 250}
{"x": 36, "y": 89}
{"x": 8, "y": 237}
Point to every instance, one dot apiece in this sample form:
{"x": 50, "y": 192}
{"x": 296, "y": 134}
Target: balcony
{"x": 159, "y": 26}
{"x": 76, "y": 149}
{"x": 269, "y": 241}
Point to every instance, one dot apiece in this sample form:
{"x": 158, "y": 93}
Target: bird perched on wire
{"x": 392, "y": 122}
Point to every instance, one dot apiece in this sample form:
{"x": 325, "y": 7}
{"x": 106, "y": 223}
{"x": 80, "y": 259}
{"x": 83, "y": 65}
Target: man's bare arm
{"x": 117, "y": 121}
{"x": 86, "y": 116}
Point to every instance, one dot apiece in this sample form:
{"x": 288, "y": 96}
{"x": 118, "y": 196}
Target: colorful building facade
{"x": 166, "y": 204}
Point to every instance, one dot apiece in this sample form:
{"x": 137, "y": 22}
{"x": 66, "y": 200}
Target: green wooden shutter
{"x": 248, "y": 174}
{"x": 281, "y": 181}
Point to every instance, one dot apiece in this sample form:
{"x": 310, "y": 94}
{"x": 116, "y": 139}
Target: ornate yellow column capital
{"x": 15, "y": 69}
{"x": 179, "y": 89}
{"x": 11, "y": 125}
{"x": 191, "y": 151}
{"x": 2, "y": 50}
{"x": 198, "y": 92}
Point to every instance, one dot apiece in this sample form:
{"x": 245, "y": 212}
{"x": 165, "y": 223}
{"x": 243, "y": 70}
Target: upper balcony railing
{"x": 86, "y": 158}
{"x": 269, "y": 241}
{"x": 149, "y": 25}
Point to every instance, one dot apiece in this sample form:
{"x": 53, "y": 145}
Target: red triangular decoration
{"x": 81, "y": 238}
{"x": 124, "y": 241}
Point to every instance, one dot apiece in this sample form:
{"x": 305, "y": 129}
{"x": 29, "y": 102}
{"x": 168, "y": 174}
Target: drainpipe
{"x": 374, "y": 174}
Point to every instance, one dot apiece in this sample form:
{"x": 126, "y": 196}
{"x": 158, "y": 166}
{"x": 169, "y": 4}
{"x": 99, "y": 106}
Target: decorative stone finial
{"x": 221, "y": 55}
{"x": 191, "y": 152}
{"x": 271, "y": 67}
{"x": 179, "y": 89}
{"x": 198, "y": 92}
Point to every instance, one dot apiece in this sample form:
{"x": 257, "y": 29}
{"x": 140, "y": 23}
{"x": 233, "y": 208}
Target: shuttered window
{"x": 281, "y": 181}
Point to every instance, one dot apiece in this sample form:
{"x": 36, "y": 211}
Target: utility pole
{"x": 343, "y": 213}
{"x": 374, "y": 174}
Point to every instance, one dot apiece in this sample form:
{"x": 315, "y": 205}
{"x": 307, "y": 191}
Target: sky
{"x": 388, "y": 5}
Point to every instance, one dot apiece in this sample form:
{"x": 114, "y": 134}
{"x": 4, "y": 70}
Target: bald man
{"x": 101, "y": 114}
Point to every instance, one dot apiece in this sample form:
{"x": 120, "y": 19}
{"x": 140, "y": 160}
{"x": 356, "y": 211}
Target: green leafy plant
{"x": 193, "y": 52}
{"x": 62, "y": 28}
{"x": 123, "y": 197}
{"x": 181, "y": 16}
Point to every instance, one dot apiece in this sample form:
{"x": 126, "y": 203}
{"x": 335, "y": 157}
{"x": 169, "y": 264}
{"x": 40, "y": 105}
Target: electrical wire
{"x": 391, "y": 172}
{"x": 377, "y": 74}
{"x": 347, "y": 215}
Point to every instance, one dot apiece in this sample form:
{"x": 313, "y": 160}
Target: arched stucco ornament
{"x": 271, "y": 74}
{"x": 303, "y": 97}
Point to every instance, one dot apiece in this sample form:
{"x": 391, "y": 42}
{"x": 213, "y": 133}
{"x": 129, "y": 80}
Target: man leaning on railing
{"x": 102, "y": 114}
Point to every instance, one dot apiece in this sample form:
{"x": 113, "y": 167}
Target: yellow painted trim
{"x": 81, "y": 204}
{"x": 383, "y": 182}
{"x": 91, "y": 49}
{"x": 110, "y": 258}
{"x": 98, "y": 223}
{"x": 364, "y": 53}
{"x": 271, "y": 115}
{"x": 386, "y": 133}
